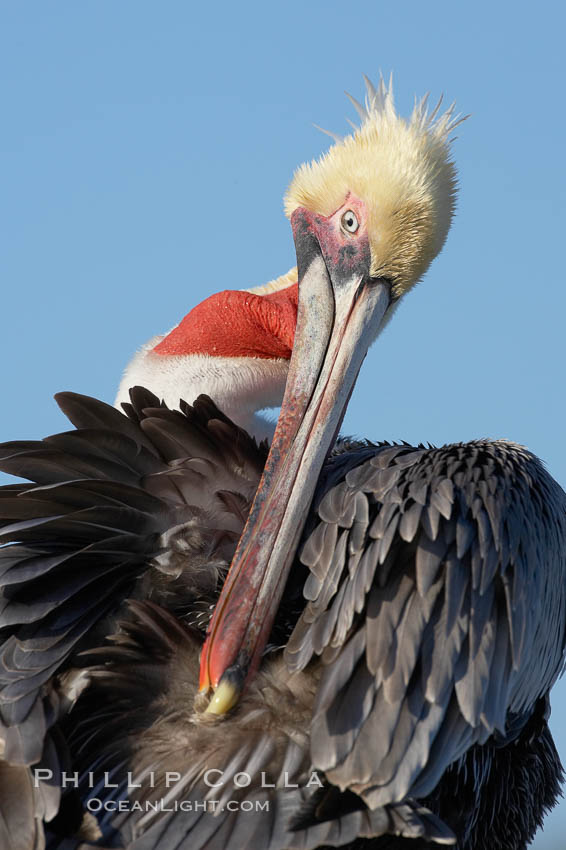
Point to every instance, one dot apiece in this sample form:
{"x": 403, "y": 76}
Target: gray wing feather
{"x": 446, "y": 591}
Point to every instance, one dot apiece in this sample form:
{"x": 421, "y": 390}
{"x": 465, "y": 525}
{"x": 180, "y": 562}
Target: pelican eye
{"x": 349, "y": 222}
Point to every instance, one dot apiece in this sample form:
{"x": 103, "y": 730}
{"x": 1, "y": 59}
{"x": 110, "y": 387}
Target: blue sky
{"x": 145, "y": 149}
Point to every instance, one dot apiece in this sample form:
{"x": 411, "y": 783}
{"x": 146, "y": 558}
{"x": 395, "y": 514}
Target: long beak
{"x": 340, "y": 307}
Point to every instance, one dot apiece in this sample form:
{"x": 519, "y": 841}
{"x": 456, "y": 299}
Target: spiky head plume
{"x": 402, "y": 170}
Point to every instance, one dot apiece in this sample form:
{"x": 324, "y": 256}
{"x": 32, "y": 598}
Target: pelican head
{"x": 367, "y": 219}
{"x": 402, "y": 171}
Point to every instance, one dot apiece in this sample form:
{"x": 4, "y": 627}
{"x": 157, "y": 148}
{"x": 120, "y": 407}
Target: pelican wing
{"x": 437, "y": 602}
{"x": 108, "y": 504}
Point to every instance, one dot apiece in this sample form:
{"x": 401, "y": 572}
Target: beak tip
{"x": 228, "y": 691}
{"x": 224, "y": 698}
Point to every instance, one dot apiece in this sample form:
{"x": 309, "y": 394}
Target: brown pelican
{"x": 420, "y": 600}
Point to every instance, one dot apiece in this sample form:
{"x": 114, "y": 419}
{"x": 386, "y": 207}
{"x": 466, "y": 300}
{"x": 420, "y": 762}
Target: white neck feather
{"x": 240, "y": 386}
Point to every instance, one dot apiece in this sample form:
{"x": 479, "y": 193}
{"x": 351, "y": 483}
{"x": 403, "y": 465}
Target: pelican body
{"x": 369, "y": 632}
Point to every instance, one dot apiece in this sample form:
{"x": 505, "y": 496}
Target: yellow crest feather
{"x": 402, "y": 170}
